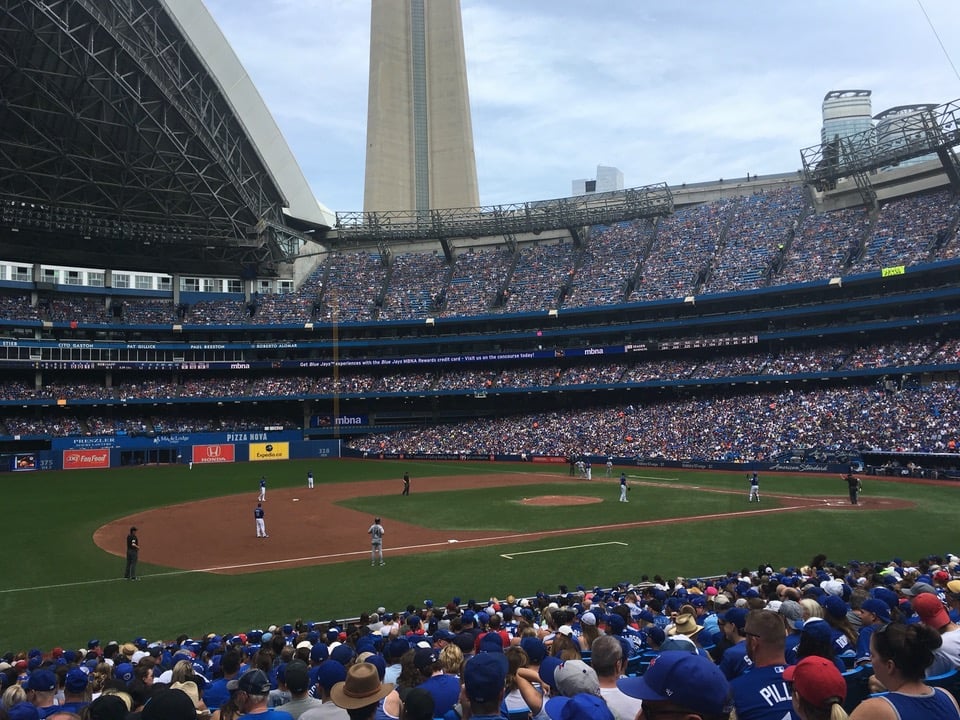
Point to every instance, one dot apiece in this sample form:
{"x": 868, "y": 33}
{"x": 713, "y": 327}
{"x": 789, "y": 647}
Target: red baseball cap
{"x": 817, "y": 680}
{"x": 930, "y": 610}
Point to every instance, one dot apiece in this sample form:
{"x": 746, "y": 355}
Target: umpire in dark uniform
{"x": 133, "y": 552}
{"x": 854, "y": 487}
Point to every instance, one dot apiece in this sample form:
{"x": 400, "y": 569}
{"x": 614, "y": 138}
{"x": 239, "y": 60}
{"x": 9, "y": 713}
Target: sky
{"x": 683, "y": 91}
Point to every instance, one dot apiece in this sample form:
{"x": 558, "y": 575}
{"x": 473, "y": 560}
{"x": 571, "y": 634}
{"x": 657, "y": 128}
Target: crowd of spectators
{"x": 609, "y": 263}
{"x": 733, "y": 362}
{"x": 540, "y": 272}
{"x": 416, "y": 279}
{"x": 907, "y": 231}
{"x": 684, "y": 248}
{"x": 822, "y": 245}
{"x": 760, "y": 225}
{"x": 755, "y": 427}
{"x": 729, "y": 245}
{"x": 478, "y": 276}
{"x": 759, "y": 427}
{"x": 814, "y": 640}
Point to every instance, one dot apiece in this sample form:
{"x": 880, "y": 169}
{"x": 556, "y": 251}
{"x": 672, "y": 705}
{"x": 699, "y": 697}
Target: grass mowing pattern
{"x": 60, "y": 589}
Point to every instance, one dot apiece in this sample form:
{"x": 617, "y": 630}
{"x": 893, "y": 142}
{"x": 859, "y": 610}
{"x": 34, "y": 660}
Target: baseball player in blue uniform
{"x": 310, "y": 479}
{"x": 263, "y": 489}
{"x": 754, "y": 488}
{"x": 623, "y": 487}
{"x": 261, "y": 525}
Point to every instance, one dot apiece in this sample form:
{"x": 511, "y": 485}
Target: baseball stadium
{"x": 188, "y": 333}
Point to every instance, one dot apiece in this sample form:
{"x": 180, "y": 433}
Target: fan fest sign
{"x": 86, "y": 459}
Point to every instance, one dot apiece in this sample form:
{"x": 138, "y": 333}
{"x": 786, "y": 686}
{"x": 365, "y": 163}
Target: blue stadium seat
{"x": 848, "y": 658}
{"x": 857, "y": 688}
{"x": 949, "y": 681}
{"x": 518, "y": 715}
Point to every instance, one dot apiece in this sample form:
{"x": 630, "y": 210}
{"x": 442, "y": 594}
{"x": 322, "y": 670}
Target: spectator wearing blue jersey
{"x": 900, "y": 655}
{"x": 874, "y": 614}
{"x": 735, "y": 660}
{"x": 762, "y": 693}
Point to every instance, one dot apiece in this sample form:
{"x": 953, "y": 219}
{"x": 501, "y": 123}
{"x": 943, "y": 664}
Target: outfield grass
{"x": 60, "y": 589}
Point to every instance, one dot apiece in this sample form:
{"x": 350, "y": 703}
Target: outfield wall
{"x": 114, "y": 451}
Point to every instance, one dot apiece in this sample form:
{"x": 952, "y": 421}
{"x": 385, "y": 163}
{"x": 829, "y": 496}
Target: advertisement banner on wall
{"x": 269, "y": 451}
{"x": 24, "y": 461}
{"x": 86, "y": 459}
{"x": 219, "y": 453}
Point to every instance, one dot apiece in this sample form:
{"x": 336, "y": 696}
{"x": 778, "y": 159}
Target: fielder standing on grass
{"x": 623, "y": 487}
{"x": 376, "y": 542}
{"x": 310, "y": 480}
{"x": 754, "y": 481}
{"x": 133, "y": 553}
{"x": 263, "y": 488}
{"x": 406, "y": 484}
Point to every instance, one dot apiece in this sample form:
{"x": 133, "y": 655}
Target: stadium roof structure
{"x": 508, "y": 220}
{"x": 927, "y": 129}
{"x": 131, "y": 136}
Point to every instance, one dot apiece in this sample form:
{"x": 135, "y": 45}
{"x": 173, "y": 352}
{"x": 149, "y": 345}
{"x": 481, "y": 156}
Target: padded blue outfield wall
{"x": 112, "y": 451}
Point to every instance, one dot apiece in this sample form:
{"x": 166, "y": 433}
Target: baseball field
{"x": 471, "y": 530}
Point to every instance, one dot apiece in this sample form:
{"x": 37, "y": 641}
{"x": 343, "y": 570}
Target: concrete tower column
{"x": 419, "y": 135}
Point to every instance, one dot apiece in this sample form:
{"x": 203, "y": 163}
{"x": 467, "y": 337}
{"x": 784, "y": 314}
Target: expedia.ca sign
{"x": 269, "y": 451}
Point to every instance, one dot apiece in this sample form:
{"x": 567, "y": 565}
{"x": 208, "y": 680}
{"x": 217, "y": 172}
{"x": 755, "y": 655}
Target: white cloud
{"x": 679, "y": 92}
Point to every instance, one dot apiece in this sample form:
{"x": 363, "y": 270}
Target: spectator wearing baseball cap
{"x": 483, "y": 685}
{"x": 818, "y": 689}
{"x": 326, "y": 676}
{"x": 933, "y": 614}
{"x": 733, "y": 662}
{"x": 297, "y": 679}
{"x": 252, "y": 691}
{"x": 393, "y": 653}
{"x": 75, "y": 695}
{"x": 41, "y": 689}
{"x": 678, "y": 683}
{"x": 874, "y": 614}
{"x": 444, "y": 688}
{"x": 816, "y": 638}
